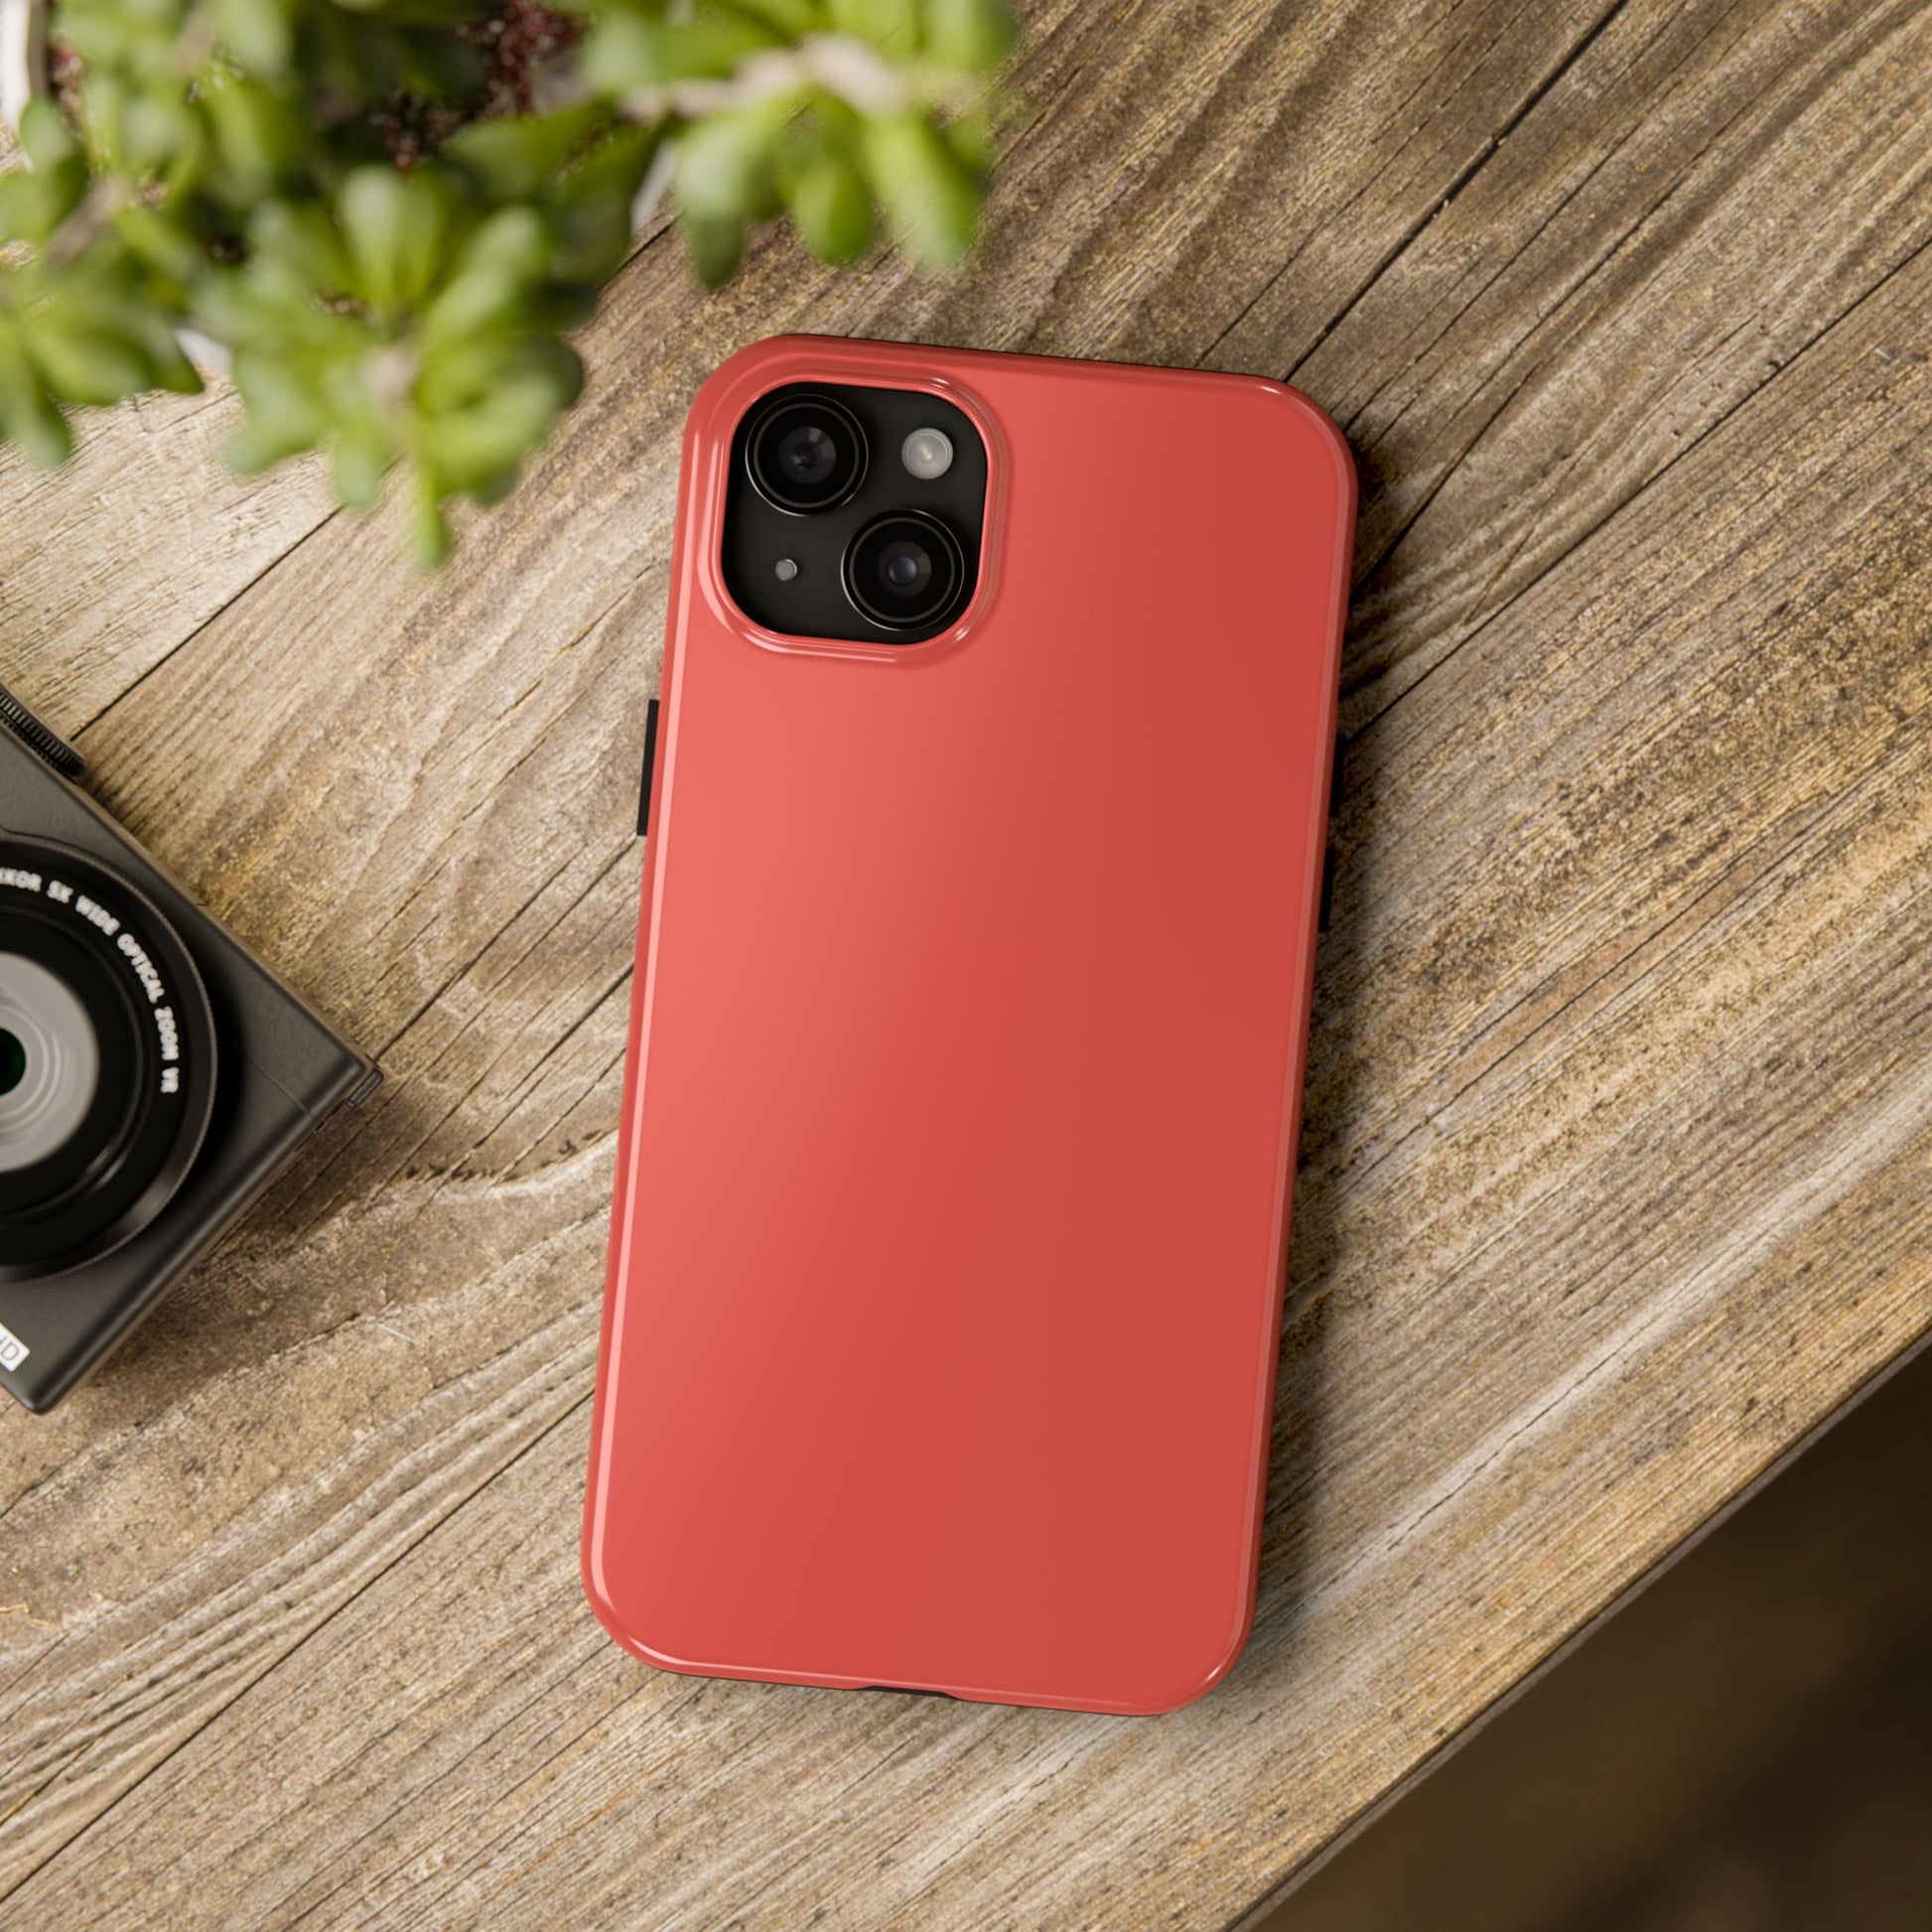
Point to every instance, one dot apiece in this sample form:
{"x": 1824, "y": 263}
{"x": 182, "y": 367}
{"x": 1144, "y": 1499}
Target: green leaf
{"x": 412, "y": 13}
{"x": 621, "y": 52}
{"x": 157, "y": 242}
{"x": 38, "y": 427}
{"x": 361, "y": 457}
{"x": 439, "y": 67}
{"x": 82, "y": 365}
{"x": 45, "y": 134}
{"x": 716, "y": 246}
{"x": 257, "y": 32}
{"x": 502, "y": 264}
{"x": 972, "y": 36}
{"x": 284, "y": 414}
{"x": 397, "y": 227}
{"x": 459, "y": 369}
{"x": 258, "y": 136}
{"x": 788, "y": 19}
{"x": 929, "y": 197}
{"x": 626, "y": 50}
{"x": 891, "y": 24}
{"x": 168, "y": 364}
{"x": 970, "y": 137}
{"x": 156, "y": 129}
{"x": 34, "y": 201}
{"x": 725, "y": 163}
{"x": 300, "y": 236}
{"x": 470, "y": 449}
{"x": 514, "y": 244}
{"x": 514, "y": 155}
{"x": 590, "y": 207}
{"x": 562, "y": 306}
{"x": 429, "y": 528}
{"x": 254, "y": 446}
{"x": 832, "y": 207}
{"x": 28, "y": 415}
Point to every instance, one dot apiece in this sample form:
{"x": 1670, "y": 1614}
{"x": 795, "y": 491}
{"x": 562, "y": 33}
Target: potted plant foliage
{"x": 386, "y": 216}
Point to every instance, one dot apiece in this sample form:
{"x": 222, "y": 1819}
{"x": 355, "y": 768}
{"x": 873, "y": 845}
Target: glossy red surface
{"x": 966, "y": 1053}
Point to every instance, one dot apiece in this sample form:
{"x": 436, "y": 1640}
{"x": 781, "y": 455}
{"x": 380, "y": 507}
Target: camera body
{"x": 154, "y": 1075}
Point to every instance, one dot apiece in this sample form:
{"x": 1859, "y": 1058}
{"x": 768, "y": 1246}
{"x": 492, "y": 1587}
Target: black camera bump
{"x": 855, "y": 513}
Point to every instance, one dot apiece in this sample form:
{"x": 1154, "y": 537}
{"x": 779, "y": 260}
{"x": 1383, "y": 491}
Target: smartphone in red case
{"x": 974, "y": 971}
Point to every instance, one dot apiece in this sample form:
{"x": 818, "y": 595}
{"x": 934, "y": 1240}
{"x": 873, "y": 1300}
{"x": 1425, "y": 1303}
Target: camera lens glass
{"x": 49, "y": 1062}
{"x": 807, "y": 453}
{"x": 107, "y": 1059}
{"x": 905, "y": 571}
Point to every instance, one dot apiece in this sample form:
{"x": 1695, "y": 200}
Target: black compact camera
{"x": 154, "y": 1075}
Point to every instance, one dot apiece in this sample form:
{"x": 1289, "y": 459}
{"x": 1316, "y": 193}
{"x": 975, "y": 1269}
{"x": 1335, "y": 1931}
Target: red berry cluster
{"x": 515, "y": 41}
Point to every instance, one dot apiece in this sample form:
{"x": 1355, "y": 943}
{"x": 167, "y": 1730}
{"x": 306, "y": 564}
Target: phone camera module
{"x": 905, "y": 571}
{"x": 807, "y": 453}
{"x": 852, "y": 513}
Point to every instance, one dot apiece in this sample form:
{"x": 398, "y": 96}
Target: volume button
{"x": 650, "y": 766}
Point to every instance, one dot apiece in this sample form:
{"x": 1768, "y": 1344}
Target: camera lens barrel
{"x": 905, "y": 571}
{"x": 108, "y": 1051}
{"x": 806, "y": 454}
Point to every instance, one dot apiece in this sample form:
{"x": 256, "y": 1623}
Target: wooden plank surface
{"x": 1618, "y": 1122}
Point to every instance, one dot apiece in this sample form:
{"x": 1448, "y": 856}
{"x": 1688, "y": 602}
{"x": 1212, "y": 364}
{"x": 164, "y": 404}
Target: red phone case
{"x": 958, "y": 1127}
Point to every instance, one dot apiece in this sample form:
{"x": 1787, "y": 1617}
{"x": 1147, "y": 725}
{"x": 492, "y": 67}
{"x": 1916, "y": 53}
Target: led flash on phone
{"x": 927, "y": 453}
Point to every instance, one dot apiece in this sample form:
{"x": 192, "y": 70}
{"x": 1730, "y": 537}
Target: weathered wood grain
{"x": 136, "y": 545}
{"x": 1679, "y": 217}
{"x": 1613, "y": 1176}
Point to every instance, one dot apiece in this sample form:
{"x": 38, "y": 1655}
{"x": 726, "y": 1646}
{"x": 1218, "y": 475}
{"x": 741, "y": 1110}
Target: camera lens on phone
{"x": 806, "y": 454}
{"x": 905, "y": 571}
